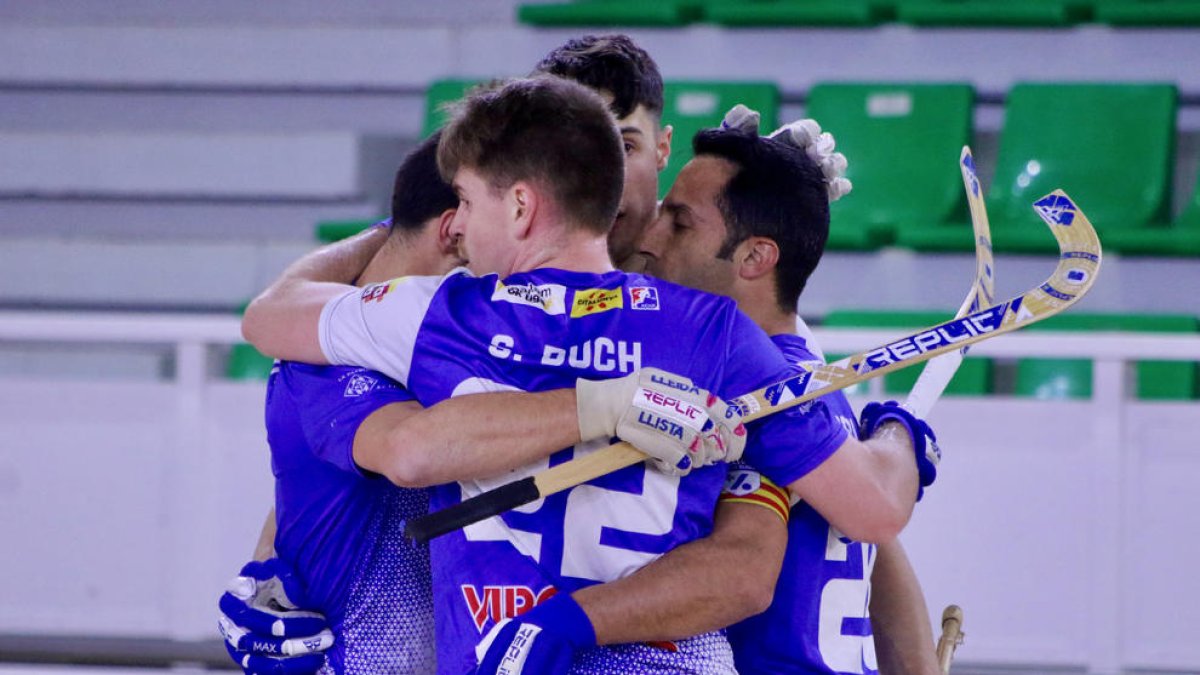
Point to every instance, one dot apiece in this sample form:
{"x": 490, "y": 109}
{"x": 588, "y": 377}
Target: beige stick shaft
{"x": 952, "y": 636}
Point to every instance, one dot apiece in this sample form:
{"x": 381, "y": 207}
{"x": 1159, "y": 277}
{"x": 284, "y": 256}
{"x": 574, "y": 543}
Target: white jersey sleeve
{"x": 810, "y": 340}
{"x": 376, "y": 327}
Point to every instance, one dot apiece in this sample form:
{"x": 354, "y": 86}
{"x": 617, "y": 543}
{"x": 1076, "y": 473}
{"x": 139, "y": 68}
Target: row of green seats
{"x": 1073, "y": 136}
{"x": 793, "y": 13}
{"x": 903, "y": 141}
{"x": 1053, "y": 379}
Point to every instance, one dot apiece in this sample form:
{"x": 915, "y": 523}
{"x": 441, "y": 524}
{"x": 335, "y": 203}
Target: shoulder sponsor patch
{"x": 596, "y": 300}
{"x": 550, "y": 298}
{"x": 375, "y": 292}
{"x": 643, "y": 297}
{"x": 741, "y": 482}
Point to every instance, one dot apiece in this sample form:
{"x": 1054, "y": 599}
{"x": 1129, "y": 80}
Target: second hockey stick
{"x": 938, "y": 372}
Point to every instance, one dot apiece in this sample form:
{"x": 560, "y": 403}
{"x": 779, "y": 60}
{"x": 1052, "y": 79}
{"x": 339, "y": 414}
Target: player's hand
{"x": 265, "y": 627}
{"x": 806, "y": 134}
{"x": 542, "y": 641}
{"x": 924, "y": 443}
{"x": 679, "y": 425}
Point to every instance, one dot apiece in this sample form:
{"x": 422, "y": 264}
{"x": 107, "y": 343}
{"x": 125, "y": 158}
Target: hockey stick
{"x": 1074, "y": 275}
{"x": 952, "y": 636}
{"x": 940, "y": 370}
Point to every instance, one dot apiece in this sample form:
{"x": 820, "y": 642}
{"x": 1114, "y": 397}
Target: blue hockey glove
{"x": 265, "y": 628}
{"x": 542, "y": 641}
{"x": 261, "y": 664}
{"x": 924, "y": 443}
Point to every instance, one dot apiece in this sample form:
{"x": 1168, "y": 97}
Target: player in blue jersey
{"x": 543, "y": 205}
{"x": 747, "y": 218}
{"x": 333, "y": 431}
{"x": 338, "y": 523}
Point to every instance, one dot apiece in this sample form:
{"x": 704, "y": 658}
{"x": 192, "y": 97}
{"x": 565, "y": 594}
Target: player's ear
{"x": 756, "y": 257}
{"x": 522, "y": 204}
{"x": 662, "y": 146}
{"x": 447, "y": 240}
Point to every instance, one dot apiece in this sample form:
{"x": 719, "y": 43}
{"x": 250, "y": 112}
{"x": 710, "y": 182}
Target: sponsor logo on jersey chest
{"x": 550, "y": 298}
{"x": 496, "y": 603}
{"x": 596, "y": 300}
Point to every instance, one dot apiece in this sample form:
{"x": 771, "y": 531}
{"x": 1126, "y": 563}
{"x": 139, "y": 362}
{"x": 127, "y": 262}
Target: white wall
{"x": 1066, "y": 530}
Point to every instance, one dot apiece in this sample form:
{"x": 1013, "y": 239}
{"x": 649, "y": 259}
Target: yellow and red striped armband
{"x": 744, "y": 485}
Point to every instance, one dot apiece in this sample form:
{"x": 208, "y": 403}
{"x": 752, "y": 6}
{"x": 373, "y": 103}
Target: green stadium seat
{"x": 1077, "y": 136}
{"x": 440, "y": 93}
{"x": 246, "y": 362}
{"x": 1046, "y": 13}
{"x": 1061, "y": 379}
{"x": 1180, "y": 238}
{"x": 329, "y": 231}
{"x": 791, "y": 13}
{"x": 974, "y": 376}
{"x": 902, "y": 142}
{"x": 691, "y": 106}
{"x": 660, "y": 13}
{"x": 1165, "y": 13}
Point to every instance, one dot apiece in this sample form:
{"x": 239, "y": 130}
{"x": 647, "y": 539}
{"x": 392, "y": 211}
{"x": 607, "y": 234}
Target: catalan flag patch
{"x": 744, "y": 485}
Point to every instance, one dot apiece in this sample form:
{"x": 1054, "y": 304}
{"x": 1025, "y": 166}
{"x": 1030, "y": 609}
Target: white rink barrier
{"x": 1065, "y": 529}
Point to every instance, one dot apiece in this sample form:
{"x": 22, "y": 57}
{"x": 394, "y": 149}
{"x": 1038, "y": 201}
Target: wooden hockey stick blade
{"x": 951, "y": 638}
{"x": 938, "y": 372}
{"x": 1078, "y": 264}
{"x": 984, "y": 263}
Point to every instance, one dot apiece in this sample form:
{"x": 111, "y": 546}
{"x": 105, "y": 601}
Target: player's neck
{"x": 397, "y": 258}
{"x": 758, "y": 302}
{"x": 756, "y": 298}
{"x": 575, "y": 251}
{"x": 774, "y": 322}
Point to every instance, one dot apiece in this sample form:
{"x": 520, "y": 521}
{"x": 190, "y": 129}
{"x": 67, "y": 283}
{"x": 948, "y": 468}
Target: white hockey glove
{"x": 807, "y": 135}
{"x": 666, "y": 416}
{"x": 741, "y": 118}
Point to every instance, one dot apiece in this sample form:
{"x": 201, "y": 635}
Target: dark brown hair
{"x": 777, "y": 192}
{"x": 610, "y": 63}
{"x": 419, "y": 193}
{"x": 552, "y": 132}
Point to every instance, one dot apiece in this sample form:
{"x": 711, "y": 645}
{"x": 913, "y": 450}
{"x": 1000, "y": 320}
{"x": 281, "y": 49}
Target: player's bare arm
{"x": 866, "y": 489}
{"x": 265, "y": 547}
{"x": 899, "y": 617}
{"x": 702, "y": 586}
{"x": 282, "y": 321}
{"x": 481, "y": 435}
{"x": 467, "y": 437}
